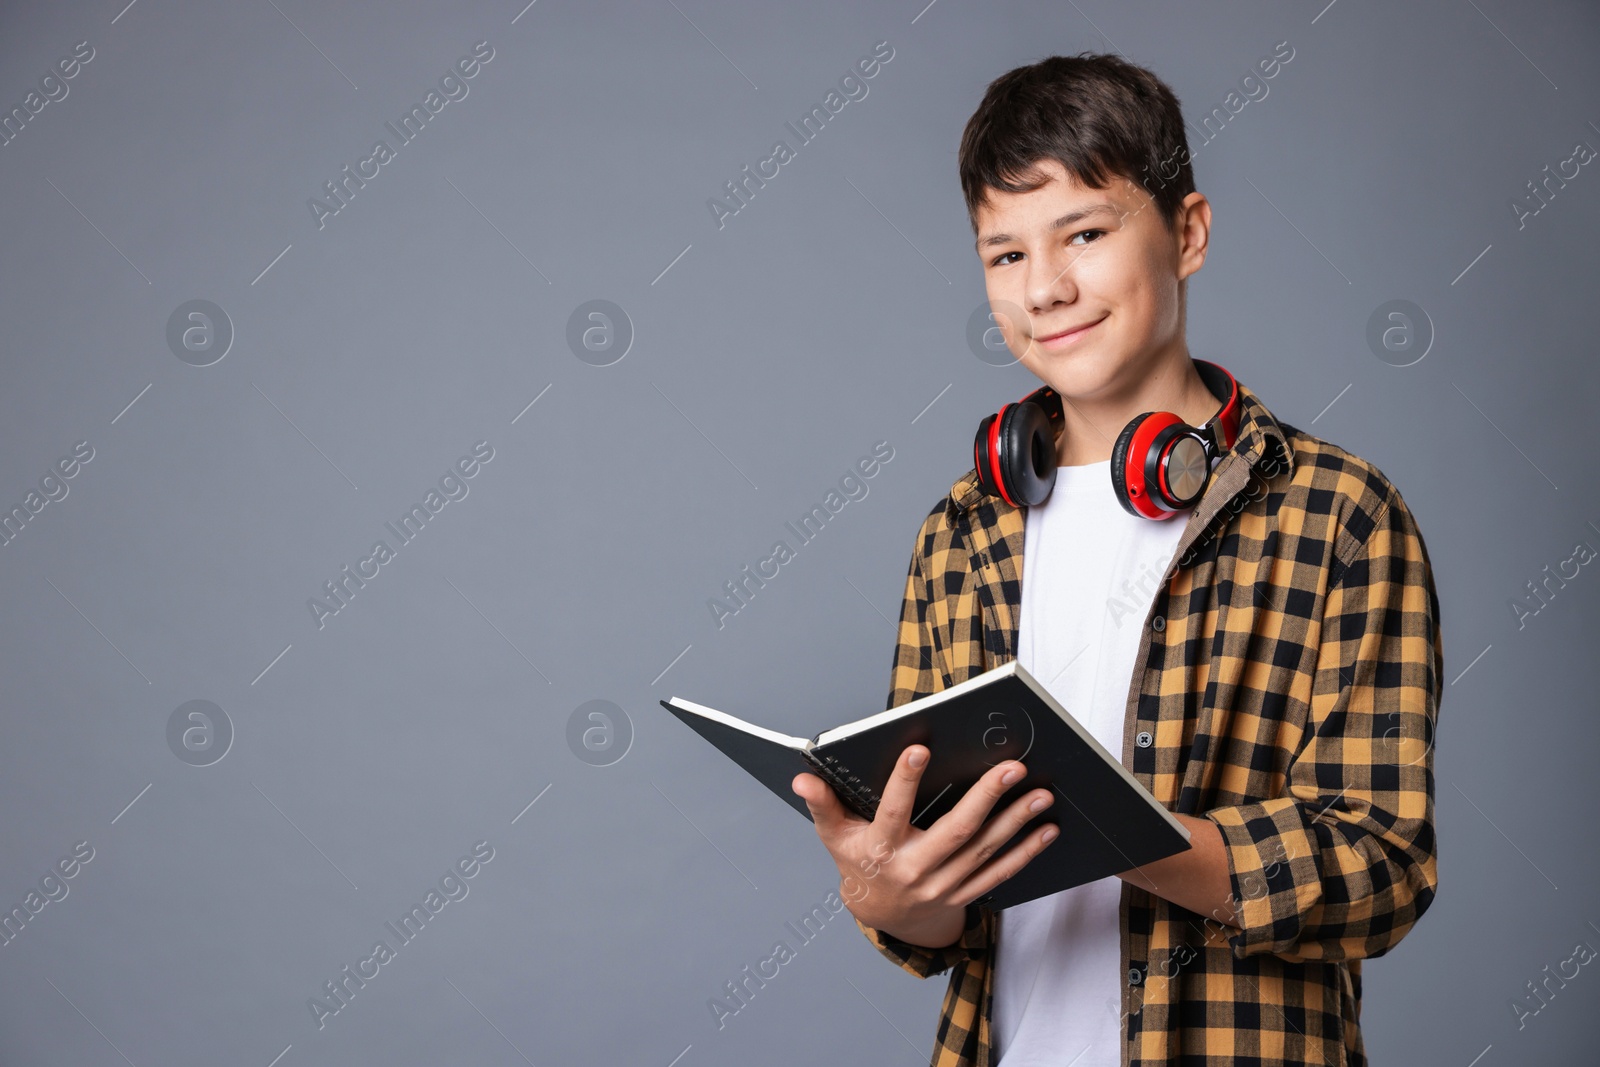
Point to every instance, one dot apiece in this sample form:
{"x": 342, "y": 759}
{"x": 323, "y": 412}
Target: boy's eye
{"x": 1004, "y": 259}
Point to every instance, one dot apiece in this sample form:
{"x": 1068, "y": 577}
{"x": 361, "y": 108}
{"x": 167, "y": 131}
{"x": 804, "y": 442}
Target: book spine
{"x": 856, "y": 794}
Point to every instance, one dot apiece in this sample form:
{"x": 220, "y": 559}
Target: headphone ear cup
{"x": 1027, "y": 453}
{"x": 1119, "y": 463}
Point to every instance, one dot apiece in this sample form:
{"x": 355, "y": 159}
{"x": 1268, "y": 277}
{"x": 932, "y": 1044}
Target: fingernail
{"x": 1049, "y": 835}
{"x": 917, "y": 759}
{"x": 1040, "y": 804}
{"x": 1010, "y": 776}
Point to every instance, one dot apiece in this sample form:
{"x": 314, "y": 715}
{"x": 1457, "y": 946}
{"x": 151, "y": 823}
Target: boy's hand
{"x": 921, "y": 881}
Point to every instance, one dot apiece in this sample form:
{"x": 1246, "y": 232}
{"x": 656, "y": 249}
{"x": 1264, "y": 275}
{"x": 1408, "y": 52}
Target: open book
{"x": 1109, "y": 822}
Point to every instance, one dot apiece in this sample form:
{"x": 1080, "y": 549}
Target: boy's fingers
{"x": 893, "y": 817}
{"x": 963, "y": 822}
{"x": 1006, "y": 865}
{"x": 999, "y": 829}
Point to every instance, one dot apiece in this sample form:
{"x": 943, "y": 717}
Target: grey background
{"x": 825, "y": 316}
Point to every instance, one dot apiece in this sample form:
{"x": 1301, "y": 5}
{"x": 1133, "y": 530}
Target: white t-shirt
{"x": 1089, "y": 573}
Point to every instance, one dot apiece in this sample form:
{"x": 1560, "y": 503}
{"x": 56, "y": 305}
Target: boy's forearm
{"x": 1196, "y": 878}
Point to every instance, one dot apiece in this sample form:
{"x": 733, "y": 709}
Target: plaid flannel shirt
{"x": 1288, "y": 691}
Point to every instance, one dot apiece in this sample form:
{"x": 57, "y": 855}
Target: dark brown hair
{"x": 1097, "y": 115}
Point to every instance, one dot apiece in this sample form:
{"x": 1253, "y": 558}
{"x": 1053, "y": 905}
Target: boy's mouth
{"x": 1069, "y": 335}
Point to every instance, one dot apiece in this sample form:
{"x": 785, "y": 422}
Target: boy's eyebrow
{"x": 1065, "y": 220}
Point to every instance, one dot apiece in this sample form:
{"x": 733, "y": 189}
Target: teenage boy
{"x": 1265, "y": 656}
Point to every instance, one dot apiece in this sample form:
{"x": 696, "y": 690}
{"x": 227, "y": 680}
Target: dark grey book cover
{"x": 1109, "y": 822}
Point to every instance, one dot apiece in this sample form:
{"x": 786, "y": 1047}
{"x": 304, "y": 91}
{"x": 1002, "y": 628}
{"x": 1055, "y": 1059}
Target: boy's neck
{"x": 1090, "y": 425}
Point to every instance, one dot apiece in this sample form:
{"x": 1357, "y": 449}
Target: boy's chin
{"x": 1084, "y": 373}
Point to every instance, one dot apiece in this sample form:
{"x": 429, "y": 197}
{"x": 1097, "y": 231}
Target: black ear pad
{"x": 1027, "y": 453}
{"x": 1119, "y": 463}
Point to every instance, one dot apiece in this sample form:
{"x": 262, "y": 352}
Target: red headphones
{"x": 1159, "y": 464}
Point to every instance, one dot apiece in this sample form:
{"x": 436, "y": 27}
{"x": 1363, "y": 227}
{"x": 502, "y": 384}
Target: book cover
{"x": 1109, "y": 822}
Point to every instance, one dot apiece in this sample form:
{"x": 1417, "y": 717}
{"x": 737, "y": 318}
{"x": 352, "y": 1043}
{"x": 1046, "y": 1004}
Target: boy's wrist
{"x": 933, "y": 932}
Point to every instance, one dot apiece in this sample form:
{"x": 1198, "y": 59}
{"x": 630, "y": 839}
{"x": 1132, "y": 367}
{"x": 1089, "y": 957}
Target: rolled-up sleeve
{"x": 974, "y": 942}
{"x": 1344, "y": 864}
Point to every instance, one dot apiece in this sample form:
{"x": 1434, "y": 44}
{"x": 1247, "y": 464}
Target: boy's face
{"x": 1084, "y": 282}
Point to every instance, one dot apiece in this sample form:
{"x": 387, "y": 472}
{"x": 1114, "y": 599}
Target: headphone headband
{"x": 1049, "y": 400}
{"x": 1222, "y": 429}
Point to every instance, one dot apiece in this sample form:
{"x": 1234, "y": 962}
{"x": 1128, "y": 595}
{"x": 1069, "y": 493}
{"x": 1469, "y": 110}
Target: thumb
{"x": 827, "y": 810}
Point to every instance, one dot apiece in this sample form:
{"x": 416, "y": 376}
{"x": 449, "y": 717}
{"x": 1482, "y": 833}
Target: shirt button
{"x": 1143, "y": 739}
{"x": 1158, "y": 624}
{"x": 1134, "y": 976}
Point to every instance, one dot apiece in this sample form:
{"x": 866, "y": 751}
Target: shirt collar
{"x": 1260, "y": 437}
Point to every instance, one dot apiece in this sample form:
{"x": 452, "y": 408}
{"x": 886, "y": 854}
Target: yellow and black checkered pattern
{"x": 1290, "y": 679}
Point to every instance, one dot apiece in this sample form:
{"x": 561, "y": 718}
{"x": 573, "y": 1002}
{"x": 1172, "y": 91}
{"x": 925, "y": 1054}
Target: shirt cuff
{"x": 1273, "y": 870}
{"x": 976, "y": 937}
